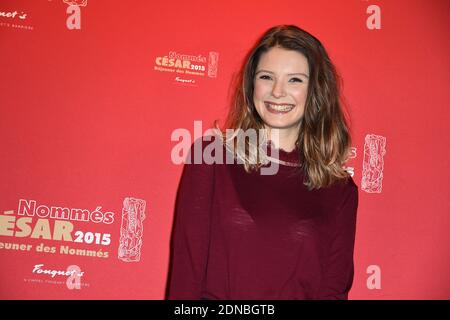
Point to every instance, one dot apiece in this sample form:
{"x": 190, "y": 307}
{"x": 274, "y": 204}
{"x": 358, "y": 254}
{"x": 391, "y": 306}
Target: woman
{"x": 239, "y": 234}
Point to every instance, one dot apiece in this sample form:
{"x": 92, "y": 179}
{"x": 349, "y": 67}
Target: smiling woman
{"x": 291, "y": 67}
{"x": 281, "y": 87}
{"x": 240, "y": 234}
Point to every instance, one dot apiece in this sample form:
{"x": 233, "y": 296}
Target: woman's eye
{"x": 266, "y": 77}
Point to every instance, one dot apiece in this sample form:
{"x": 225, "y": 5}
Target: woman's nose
{"x": 278, "y": 89}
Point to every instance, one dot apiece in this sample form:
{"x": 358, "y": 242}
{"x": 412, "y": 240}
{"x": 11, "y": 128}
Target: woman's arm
{"x": 339, "y": 266}
{"x": 190, "y": 238}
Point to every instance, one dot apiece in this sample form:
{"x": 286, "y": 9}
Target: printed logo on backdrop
{"x": 372, "y": 163}
{"x": 187, "y": 69}
{"x": 70, "y": 276}
{"x": 17, "y": 19}
{"x": 131, "y": 230}
{"x": 72, "y": 232}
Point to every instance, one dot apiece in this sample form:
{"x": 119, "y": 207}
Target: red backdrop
{"x": 88, "y": 105}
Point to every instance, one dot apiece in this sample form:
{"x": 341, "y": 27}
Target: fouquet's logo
{"x": 38, "y": 269}
{"x": 13, "y": 14}
{"x": 17, "y": 19}
{"x": 72, "y": 272}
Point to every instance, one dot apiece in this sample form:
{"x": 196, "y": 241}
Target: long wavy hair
{"x": 324, "y": 139}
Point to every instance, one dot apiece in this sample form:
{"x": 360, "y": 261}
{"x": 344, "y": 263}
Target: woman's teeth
{"x": 279, "y": 108}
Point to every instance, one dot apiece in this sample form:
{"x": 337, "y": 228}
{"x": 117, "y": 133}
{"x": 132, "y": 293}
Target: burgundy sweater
{"x": 240, "y": 235}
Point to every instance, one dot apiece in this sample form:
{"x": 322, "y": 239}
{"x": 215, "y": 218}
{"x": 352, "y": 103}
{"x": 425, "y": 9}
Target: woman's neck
{"x": 284, "y": 139}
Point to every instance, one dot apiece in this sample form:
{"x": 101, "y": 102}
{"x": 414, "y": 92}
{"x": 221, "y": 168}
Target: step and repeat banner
{"x": 92, "y": 92}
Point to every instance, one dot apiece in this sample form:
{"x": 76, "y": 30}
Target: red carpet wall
{"x": 91, "y": 92}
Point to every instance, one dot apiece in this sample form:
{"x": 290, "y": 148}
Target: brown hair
{"x": 324, "y": 140}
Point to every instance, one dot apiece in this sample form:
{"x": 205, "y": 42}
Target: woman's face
{"x": 280, "y": 89}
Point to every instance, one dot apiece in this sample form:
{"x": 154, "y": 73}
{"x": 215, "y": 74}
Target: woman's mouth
{"x": 278, "y": 108}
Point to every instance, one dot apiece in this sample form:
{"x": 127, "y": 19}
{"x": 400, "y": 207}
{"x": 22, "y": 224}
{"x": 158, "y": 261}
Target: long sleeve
{"x": 191, "y": 231}
{"x": 339, "y": 265}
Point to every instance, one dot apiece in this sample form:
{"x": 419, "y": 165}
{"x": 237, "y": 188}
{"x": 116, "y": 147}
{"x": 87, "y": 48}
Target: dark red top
{"x": 240, "y": 235}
